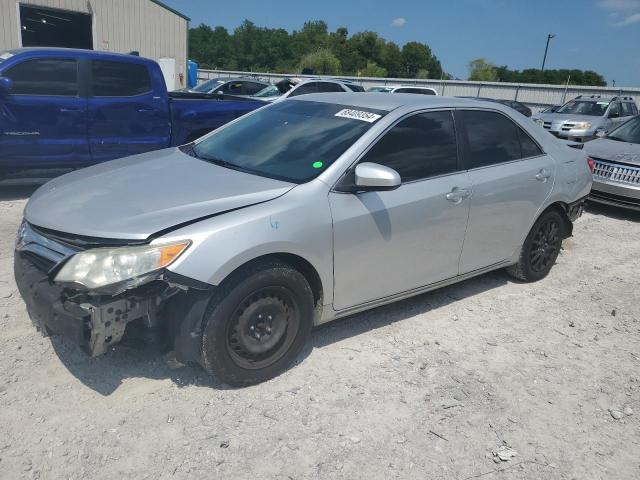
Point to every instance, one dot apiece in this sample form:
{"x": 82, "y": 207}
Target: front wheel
{"x": 540, "y": 249}
{"x": 257, "y": 324}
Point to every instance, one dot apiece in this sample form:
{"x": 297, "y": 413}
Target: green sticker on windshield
{"x": 317, "y": 164}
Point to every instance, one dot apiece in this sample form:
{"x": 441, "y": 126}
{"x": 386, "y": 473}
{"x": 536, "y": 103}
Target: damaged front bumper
{"x": 168, "y": 308}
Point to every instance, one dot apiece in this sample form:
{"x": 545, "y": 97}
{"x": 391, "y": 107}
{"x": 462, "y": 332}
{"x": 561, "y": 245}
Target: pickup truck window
{"x": 45, "y": 76}
{"x": 119, "y": 79}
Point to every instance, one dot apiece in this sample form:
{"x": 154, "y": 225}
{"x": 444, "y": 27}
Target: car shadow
{"x": 618, "y": 213}
{"x": 17, "y": 193}
{"x": 106, "y": 373}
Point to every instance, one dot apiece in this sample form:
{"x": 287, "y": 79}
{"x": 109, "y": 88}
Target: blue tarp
{"x": 192, "y": 74}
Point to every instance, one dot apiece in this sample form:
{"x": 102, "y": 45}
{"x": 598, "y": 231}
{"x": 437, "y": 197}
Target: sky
{"x": 599, "y": 35}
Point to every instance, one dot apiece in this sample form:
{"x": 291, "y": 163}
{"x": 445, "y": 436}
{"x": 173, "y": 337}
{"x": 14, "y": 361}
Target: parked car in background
{"x": 583, "y": 117}
{"x": 63, "y": 109}
{"x": 545, "y": 113}
{"x": 235, "y": 246}
{"x": 519, "y": 107}
{"x": 403, "y": 89}
{"x": 616, "y": 159}
{"x": 292, "y": 87}
{"x": 229, "y": 86}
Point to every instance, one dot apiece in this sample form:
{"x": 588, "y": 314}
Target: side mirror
{"x": 5, "y": 86}
{"x": 371, "y": 176}
{"x": 614, "y": 114}
{"x": 601, "y": 133}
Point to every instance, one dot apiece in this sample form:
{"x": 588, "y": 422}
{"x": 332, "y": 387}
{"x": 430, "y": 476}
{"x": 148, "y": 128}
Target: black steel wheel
{"x": 541, "y": 248}
{"x": 257, "y": 323}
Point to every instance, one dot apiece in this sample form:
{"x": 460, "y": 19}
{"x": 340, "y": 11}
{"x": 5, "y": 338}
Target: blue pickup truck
{"x": 63, "y": 109}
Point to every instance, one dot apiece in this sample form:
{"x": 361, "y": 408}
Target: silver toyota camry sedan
{"x": 231, "y": 249}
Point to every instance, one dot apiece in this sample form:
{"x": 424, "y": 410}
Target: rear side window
{"x": 304, "y": 89}
{"x": 45, "y": 76}
{"x": 626, "y": 109}
{"x": 329, "y": 87}
{"x": 528, "y": 146}
{"x": 251, "y": 88}
{"x": 421, "y": 146}
{"x": 119, "y": 79}
{"x": 492, "y": 138}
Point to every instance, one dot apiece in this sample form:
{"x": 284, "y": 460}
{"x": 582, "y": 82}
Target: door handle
{"x": 456, "y": 195}
{"x": 146, "y": 110}
{"x": 543, "y": 175}
{"x": 69, "y": 110}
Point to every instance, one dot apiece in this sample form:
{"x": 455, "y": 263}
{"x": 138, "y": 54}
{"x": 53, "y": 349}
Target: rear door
{"x": 43, "y": 120}
{"x": 388, "y": 242}
{"x": 510, "y": 176}
{"x": 128, "y": 109}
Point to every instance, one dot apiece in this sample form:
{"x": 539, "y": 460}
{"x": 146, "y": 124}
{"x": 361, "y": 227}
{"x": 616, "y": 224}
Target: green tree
{"x": 417, "y": 57}
{"x": 482, "y": 70}
{"x": 373, "y": 70}
{"x": 392, "y": 60}
{"x": 321, "y": 62}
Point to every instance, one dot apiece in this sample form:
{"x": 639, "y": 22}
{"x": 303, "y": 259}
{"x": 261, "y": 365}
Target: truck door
{"x": 43, "y": 118}
{"x": 128, "y": 109}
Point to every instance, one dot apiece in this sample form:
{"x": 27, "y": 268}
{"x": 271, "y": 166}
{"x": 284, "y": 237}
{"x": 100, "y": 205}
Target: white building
{"x": 145, "y": 26}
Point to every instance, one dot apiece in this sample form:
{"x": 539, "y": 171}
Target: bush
{"x": 321, "y": 62}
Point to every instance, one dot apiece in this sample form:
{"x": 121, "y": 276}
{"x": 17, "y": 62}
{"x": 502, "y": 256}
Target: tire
{"x": 257, "y": 323}
{"x": 540, "y": 249}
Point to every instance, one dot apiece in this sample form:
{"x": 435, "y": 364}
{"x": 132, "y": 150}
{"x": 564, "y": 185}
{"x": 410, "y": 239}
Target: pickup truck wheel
{"x": 257, "y": 324}
{"x": 540, "y": 249}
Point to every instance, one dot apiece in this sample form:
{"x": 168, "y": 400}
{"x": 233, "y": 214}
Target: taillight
{"x": 591, "y": 164}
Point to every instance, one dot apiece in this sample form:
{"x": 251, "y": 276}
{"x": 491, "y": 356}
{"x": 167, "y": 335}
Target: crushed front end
{"x": 161, "y": 307}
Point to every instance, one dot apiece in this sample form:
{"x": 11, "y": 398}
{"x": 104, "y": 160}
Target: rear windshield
{"x": 208, "y": 85}
{"x": 292, "y": 140}
{"x": 585, "y": 107}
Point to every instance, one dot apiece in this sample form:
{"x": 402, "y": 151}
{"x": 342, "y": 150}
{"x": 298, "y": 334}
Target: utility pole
{"x": 546, "y": 49}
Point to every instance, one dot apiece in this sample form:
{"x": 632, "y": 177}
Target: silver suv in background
{"x": 403, "y": 89}
{"x": 304, "y": 211}
{"x": 582, "y": 118}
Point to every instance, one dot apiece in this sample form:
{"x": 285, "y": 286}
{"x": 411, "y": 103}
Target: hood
{"x": 563, "y": 117}
{"x": 135, "y": 197}
{"x": 614, "y": 151}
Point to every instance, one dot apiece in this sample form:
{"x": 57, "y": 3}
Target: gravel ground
{"x": 545, "y": 375}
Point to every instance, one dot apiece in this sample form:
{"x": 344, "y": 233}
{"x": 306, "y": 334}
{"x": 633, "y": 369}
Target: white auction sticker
{"x": 358, "y": 115}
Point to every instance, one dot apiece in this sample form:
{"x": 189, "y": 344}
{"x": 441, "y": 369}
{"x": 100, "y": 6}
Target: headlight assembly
{"x": 99, "y": 267}
{"x": 582, "y": 126}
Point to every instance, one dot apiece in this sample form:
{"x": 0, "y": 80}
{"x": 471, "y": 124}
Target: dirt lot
{"x": 426, "y": 388}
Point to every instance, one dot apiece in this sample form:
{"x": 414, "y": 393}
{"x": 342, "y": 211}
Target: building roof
{"x": 163, "y": 5}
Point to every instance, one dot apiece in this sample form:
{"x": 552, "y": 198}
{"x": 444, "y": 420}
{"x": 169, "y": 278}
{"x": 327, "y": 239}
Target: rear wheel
{"x": 257, "y": 324}
{"x": 540, "y": 249}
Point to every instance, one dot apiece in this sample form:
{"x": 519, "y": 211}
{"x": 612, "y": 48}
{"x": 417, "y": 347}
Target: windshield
{"x": 208, "y": 85}
{"x": 292, "y": 140}
{"x": 585, "y": 107}
{"x": 270, "y": 91}
{"x": 627, "y": 132}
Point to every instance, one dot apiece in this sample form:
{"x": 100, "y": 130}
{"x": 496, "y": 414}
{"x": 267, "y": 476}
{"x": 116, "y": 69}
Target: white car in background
{"x": 403, "y": 89}
{"x": 292, "y": 87}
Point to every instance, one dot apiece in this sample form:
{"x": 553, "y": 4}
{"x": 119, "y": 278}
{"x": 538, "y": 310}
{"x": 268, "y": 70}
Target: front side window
{"x": 45, "y": 76}
{"x": 615, "y": 110}
{"x": 119, "y": 79}
{"x": 208, "y": 86}
{"x": 492, "y": 138}
{"x": 251, "y": 88}
{"x": 292, "y": 140}
{"x": 421, "y": 146}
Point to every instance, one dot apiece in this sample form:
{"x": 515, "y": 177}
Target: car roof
{"x": 409, "y": 86}
{"x": 391, "y": 102}
{"x": 53, "y": 51}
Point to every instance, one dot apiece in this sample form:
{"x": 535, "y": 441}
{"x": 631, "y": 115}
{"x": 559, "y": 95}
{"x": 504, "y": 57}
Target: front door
{"x": 43, "y": 119}
{"x": 510, "y": 178}
{"x": 388, "y": 242}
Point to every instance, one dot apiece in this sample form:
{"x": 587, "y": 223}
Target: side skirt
{"x": 330, "y": 314}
